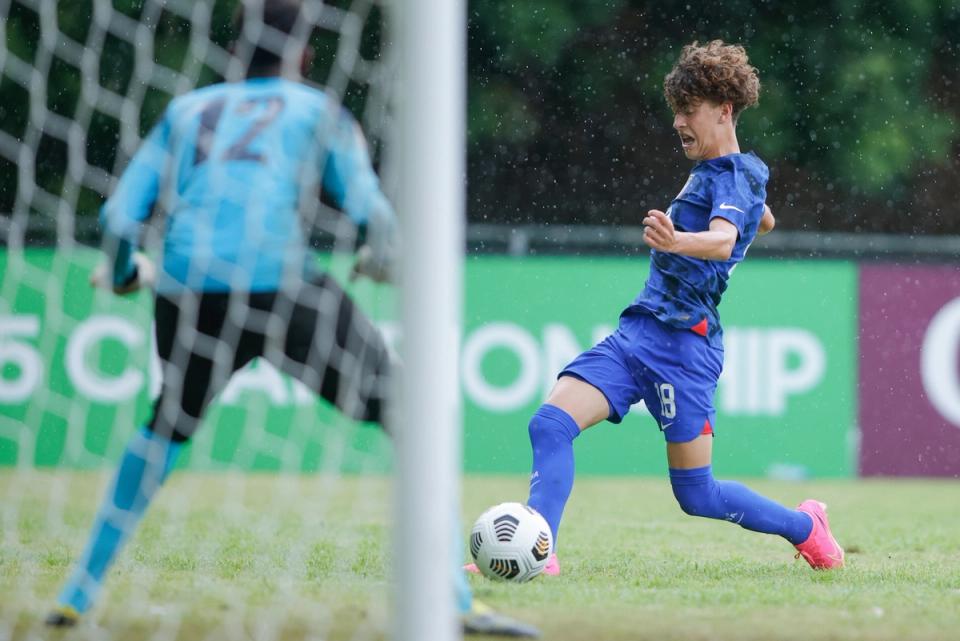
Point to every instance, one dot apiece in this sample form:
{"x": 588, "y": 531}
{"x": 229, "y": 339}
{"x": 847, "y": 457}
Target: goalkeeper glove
{"x": 144, "y": 274}
{"x": 377, "y": 269}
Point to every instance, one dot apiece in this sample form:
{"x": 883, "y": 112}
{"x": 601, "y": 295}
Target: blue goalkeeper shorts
{"x": 674, "y": 371}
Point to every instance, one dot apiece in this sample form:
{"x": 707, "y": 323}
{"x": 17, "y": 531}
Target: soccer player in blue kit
{"x": 668, "y": 349}
{"x": 238, "y": 167}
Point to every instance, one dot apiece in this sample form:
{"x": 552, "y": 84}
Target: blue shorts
{"x": 674, "y": 371}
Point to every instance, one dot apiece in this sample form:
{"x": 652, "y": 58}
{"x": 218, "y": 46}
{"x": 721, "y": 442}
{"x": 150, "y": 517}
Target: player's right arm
{"x": 129, "y": 207}
{"x": 716, "y": 243}
{"x": 349, "y": 177}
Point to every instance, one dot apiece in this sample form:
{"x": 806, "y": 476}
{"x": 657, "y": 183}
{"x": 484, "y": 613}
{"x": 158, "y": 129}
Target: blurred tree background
{"x": 857, "y": 118}
{"x": 567, "y": 123}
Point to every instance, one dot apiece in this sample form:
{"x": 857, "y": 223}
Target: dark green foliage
{"x": 857, "y": 115}
{"x": 567, "y": 123}
{"x": 121, "y": 58}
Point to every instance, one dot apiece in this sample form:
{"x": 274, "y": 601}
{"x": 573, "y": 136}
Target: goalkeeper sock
{"x": 462, "y": 591}
{"x": 551, "y": 434}
{"x": 145, "y": 464}
{"x": 699, "y": 494}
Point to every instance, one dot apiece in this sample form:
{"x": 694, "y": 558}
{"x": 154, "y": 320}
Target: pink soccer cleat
{"x": 552, "y": 567}
{"x": 820, "y": 549}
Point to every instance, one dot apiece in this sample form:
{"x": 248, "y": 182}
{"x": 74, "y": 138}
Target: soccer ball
{"x": 511, "y": 541}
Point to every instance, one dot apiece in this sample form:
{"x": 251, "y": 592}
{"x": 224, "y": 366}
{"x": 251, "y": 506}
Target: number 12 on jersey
{"x": 240, "y": 150}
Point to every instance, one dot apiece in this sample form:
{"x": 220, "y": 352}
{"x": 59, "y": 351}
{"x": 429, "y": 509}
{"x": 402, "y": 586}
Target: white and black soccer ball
{"x": 511, "y": 541}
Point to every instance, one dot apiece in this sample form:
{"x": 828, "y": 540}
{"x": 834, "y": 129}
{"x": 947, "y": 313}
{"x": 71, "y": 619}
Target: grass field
{"x": 277, "y": 558}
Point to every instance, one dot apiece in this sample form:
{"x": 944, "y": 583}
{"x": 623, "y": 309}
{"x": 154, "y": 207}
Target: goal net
{"x": 277, "y": 521}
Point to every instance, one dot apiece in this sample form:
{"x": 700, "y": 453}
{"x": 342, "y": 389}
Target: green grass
{"x": 265, "y": 557}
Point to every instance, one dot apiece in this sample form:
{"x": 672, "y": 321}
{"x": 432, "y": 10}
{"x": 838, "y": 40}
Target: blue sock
{"x": 144, "y": 466}
{"x": 551, "y": 434}
{"x": 700, "y": 494}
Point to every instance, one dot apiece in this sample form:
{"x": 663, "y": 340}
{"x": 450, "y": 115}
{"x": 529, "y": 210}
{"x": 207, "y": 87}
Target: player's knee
{"x": 178, "y": 429}
{"x": 693, "y": 501}
{"x": 696, "y": 493}
{"x": 538, "y": 428}
{"x": 551, "y": 423}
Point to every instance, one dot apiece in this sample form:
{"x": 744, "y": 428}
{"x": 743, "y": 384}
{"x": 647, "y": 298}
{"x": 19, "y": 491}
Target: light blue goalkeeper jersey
{"x": 231, "y": 163}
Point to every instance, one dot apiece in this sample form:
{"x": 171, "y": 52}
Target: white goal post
{"x": 431, "y": 172}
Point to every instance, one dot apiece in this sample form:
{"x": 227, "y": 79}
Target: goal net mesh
{"x": 274, "y": 523}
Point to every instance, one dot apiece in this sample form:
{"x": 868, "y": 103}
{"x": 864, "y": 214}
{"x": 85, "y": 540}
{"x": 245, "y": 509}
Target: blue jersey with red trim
{"x": 683, "y": 291}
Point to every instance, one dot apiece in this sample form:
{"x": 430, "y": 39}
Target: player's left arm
{"x": 127, "y": 209}
{"x": 767, "y": 221}
{"x": 349, "y": 177}
{"x": 716, "y": 243}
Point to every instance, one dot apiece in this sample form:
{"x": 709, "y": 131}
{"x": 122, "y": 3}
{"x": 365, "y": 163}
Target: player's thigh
{"x": 189, "y": 341}
{"x": 691, "y": 454}
{"x": 585, "y": 404}
{"x": 678, "y": 371}
{"x": 680, "y": 401}
{"x": 690, "y": 439}
{"x": 333, "y": 348}
{"x": 597, "y": 385}
{"x": 325, "y": 329}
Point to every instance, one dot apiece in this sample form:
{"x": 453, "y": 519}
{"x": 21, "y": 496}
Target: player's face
{"x": 701, "y": 128}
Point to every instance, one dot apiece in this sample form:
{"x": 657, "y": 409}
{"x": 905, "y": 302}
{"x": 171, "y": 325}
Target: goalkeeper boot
{"x": 820, "y": 549}
{"x": 63, "y": 616}
{"x": 482, "y": 619}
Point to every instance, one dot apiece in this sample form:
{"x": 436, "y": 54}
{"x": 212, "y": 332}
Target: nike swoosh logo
{"x": 726, "y": 206}
{"x": 833, "y": 556}
{"x": 664, "y": 426}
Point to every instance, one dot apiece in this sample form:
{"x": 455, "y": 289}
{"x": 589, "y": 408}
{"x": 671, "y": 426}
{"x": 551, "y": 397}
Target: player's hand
{"x": 659, "y": 232}
{"x": 146, "y": 275}
{"x": 379, "y": 271}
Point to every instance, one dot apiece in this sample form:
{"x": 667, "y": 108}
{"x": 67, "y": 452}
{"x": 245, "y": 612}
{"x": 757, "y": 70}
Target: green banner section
{"x": 786, "y": 401}
{"x": 76, "y": 371}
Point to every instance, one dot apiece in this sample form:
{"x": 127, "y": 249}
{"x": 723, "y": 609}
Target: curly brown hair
{"x": 715, "y": 71}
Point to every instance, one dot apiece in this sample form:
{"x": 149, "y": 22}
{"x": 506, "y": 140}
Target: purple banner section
{"x": 909, "y": 380}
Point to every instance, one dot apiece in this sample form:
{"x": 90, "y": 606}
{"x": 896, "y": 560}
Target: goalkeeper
{"x": 237, "y": 167}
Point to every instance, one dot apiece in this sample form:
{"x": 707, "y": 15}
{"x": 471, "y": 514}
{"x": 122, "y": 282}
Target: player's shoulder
{"x": 300, "y": 92}
{"x": 735, "y": 169}
{"x": 314, "y": 103}
{"x": 751, "y": 164}
{"x": 185, "y": 102}
{"x": 733, "y": 163}
{"x": 295, "y": 93}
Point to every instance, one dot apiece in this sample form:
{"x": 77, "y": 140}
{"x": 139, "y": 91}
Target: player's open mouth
{"x": 686, "y": 141}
